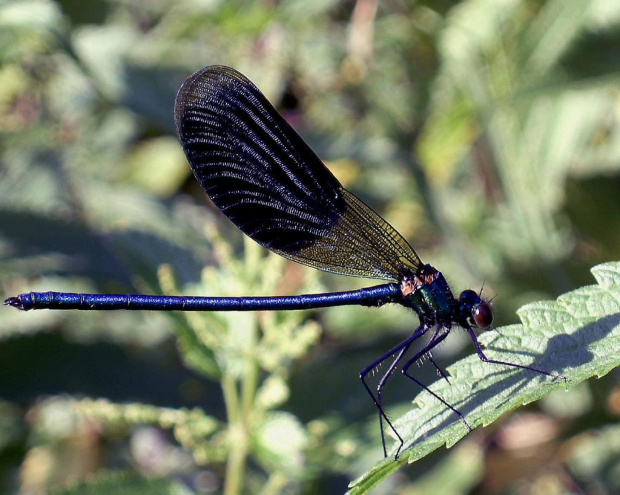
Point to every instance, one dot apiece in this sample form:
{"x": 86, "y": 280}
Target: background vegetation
{"x": 486, "y": 131}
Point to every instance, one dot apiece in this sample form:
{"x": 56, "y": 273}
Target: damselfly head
{"x": 475, "y": 310}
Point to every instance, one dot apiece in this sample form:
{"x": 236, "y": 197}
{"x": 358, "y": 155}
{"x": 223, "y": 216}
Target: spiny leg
{"x": 435, "y": 339}
{"x": 401, "y": 349}
{"x": 484, "y": 358}
{"x": 441, "y": 372}
{"x": 379, "y": 401}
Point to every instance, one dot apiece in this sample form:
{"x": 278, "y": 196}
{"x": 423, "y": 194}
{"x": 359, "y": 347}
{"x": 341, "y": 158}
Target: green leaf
{"x": 34, "y": 15}
{"x": 577, "y": 336}
{"x": 280, "y": 443}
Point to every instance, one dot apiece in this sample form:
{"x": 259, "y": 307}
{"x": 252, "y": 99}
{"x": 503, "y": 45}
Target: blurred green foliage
{"x": 486, "y": 131}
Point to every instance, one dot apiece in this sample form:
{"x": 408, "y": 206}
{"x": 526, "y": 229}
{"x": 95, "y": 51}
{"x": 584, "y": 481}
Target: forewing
{"x": 267, "y": 180}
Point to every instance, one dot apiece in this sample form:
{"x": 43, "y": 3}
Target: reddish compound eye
{"x": 482, "y": 314}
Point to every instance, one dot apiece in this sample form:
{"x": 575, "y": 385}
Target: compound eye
{"x": 482, "y": 315}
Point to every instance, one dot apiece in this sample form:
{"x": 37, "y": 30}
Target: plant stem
{"x": 239, "y": 400}
{"x": 235, "y": 468}
{"x": 233, "y": 482}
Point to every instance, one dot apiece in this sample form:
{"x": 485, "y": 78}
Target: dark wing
{"x": 268, "y": 181}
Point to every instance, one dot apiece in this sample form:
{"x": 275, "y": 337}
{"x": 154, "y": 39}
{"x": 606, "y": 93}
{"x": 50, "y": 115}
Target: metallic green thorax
{"x": 430, "y": 296}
